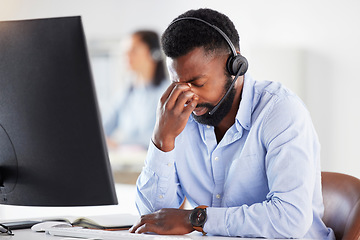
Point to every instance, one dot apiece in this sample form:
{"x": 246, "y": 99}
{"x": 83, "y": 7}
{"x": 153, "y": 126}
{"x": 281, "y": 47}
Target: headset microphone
{"x": 236, "y": 64}
{"x": 226, "y": 94}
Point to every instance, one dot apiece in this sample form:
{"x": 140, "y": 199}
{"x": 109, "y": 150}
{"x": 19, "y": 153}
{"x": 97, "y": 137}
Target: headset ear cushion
{"x": 237, "y": 63}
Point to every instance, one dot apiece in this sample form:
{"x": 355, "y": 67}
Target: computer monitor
{"x": 52, "y": 148}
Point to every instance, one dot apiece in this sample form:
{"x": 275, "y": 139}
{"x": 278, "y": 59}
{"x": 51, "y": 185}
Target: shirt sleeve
{"x": 158, "y": 186}
{"x": 292, "y": 155}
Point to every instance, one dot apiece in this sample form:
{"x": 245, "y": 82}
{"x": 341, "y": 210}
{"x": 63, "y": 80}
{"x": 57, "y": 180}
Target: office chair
{"x": 341, "y": 194}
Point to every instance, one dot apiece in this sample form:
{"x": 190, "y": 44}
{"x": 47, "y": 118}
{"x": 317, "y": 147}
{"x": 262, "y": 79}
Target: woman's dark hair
{"x": 183, "y": 36}
{"x": 151, "y": 39}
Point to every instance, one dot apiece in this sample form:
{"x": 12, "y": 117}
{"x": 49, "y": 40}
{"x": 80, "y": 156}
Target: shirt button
{"x": 216, "y": 158}
{"x": 208, "y": 126}
{"x": 218, "y": 196}
{"x": 169, "y": 164}
{"x": 161, "y": 196}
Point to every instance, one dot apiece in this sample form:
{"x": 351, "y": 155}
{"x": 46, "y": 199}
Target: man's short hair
{"x": 183, "y": 36}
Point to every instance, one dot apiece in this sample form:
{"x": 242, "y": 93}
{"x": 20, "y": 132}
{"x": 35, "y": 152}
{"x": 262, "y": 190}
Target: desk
{"x": 126, "y": 205}
{"x": 13, "y": 213}
{"x": 27, "y": 234}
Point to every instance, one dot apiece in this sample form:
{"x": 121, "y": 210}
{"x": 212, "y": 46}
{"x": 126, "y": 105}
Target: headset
{"x": 156, "y": 54}
{"x": 236, "y": 64}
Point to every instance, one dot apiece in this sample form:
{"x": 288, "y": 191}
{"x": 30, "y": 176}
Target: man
{"x": 253, "y": 165}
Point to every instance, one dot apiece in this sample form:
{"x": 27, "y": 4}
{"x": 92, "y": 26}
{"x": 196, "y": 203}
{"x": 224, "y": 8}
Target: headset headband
{"x": 227, "y": 39}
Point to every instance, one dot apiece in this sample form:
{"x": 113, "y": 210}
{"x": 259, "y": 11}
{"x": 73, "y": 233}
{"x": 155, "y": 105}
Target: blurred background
{"x": 312, "y": 46}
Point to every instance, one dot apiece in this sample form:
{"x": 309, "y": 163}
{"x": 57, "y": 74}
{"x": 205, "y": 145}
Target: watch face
{"x": 198, "y": 217}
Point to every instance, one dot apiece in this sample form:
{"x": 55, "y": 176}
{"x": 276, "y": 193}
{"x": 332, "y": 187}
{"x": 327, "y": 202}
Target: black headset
{"x": 236, "y": 64}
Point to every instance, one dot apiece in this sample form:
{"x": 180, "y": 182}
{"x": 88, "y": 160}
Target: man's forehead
{"x": 181, "y": 74}
{"x": 189, "y": 66}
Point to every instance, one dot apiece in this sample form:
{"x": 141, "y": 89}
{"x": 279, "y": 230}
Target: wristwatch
{"x": 198, "y": 218}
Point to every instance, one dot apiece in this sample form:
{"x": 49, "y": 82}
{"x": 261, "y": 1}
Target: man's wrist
{"x": 187, "y": 220}
{"x": 163, "y": 144}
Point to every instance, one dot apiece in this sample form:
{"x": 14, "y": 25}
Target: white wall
{"x": 310, "y": 45}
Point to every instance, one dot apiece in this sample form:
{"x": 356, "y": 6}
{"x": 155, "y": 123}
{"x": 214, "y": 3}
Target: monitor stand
{"x": 8, "y": 165}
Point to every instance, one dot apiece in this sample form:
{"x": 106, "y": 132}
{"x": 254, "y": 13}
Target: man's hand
{"x": 169, "y": 221}
{"x": 174, "y": 109}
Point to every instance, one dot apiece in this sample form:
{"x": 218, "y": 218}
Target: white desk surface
{"x": 126, "y": 206}
{"x": 27, "y": 234}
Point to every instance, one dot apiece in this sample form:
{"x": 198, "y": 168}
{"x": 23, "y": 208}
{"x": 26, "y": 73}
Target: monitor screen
{"x": 52, "y": 148}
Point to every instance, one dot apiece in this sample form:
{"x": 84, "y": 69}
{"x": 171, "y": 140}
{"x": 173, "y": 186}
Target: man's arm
{"x": 157, "y": 186}
{"x": 159, "y": 174}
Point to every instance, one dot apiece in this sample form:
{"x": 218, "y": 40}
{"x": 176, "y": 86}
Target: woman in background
{"x": 133, "y": 115}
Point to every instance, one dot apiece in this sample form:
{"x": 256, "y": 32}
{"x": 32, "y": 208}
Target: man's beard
{"x": 221, "y": 112}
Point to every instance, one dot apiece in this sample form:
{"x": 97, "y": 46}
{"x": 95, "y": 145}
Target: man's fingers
{"x": 183, "y": 100}
{"x": 172, "y": 114}
{"x": 148, "y": 227}
{"x": 172, "y": 98}
{"x": 144, "y": 219}
{"x": 165, "y": 221}
{"x": 191, "y": 105}
{"x": 135, "y": 227}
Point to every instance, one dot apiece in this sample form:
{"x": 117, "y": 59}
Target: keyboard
{"x": 108, "y": 235}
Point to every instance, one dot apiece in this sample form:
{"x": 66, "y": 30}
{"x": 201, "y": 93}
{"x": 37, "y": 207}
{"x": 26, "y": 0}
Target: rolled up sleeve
{"x": 157, "y": 185}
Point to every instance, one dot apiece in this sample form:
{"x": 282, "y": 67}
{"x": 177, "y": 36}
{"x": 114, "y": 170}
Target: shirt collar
{"x": 243, "y": 116}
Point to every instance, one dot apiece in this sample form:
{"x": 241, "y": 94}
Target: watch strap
{"x": 200, "y": 229}
{"x": 202, "y": 207}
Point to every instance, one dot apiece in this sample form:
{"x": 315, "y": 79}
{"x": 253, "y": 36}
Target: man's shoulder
{"x": 256, "y": 91}
{"x": 271, "y": 96}
{"x": 274, "y": 92}
{"x": 273, "y": 88}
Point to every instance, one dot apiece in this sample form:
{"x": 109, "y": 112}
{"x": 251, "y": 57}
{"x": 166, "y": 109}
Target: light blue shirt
{"x": 134, "y": 114}
{"x": 263, "y": 179}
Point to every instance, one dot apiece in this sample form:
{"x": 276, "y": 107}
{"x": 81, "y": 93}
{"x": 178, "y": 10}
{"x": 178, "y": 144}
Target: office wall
{"x": 310, "y": 45}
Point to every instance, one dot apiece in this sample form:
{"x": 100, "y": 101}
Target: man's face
{"x": 206, "y": 74}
